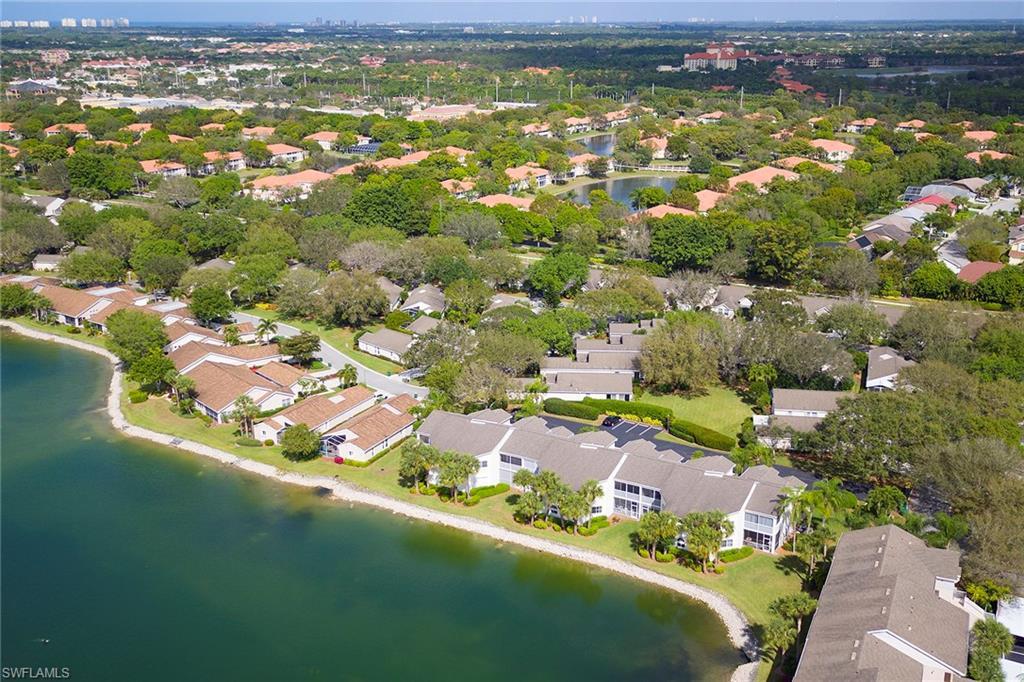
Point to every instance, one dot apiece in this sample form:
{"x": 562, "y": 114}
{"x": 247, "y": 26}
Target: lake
{"x": 602, "y": 145}
{"x": 620, "y": 188}
{"x": 123, "y": 560}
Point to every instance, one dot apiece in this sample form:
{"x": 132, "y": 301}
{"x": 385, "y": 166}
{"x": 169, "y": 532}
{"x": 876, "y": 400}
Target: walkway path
{"x": 735, "y": 622}
{"x": 335, "y": 358}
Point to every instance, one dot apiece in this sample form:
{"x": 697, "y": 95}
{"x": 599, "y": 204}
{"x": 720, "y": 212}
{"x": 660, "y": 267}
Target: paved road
{"x": 335, "y": 358}
{"x": 628, "y": 431}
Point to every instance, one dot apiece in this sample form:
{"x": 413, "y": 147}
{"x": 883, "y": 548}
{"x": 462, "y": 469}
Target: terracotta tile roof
{"x": 519, "y": 173}
{"x": 980, "y": 135}
{"x": 492, "y": 200}
{"x": 306, "y": 177}
{"x": 791, "y": 162}
{"x": 708, "y": 199}
{"x": 759, "y": 177}
{"x": 662, "y": 210}
{"x": 223, "y": 156}
{"x": 978, "y": 157}
{"x": 833, "y": 146}
{"x": 972, "y": 272}
{"x": 279, "y": 148}
{"x": 323, "y": 136}
{"x": 156, "y": 166}
{"x": 453, "y": 186}
{"x": 176, "y": 330}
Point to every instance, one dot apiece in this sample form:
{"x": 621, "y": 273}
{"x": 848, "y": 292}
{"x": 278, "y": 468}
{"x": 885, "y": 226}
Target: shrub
{"x": 486, "y": 491}
{"x": 248, "y": 442}
{"x": 599, "y": 522}
{"x": 587, "y": 532}
{"x": 540, "y": 524}
{"x": 719, "y": 570}
{"x": 568, "y": 408}
{"x": 662, "y": 415}
{"x": 268, "y": 442}
{"x": 472, "y": 501}
{"x": 138, "y": 396}
{"x": 695, "y": 433}
{"x": 74, "y": 330}
{"x": 735, "y": 554}
{"x": 664, "y": 557}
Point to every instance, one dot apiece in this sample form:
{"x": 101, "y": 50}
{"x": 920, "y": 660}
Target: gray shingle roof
{"x": 881, "y": 586}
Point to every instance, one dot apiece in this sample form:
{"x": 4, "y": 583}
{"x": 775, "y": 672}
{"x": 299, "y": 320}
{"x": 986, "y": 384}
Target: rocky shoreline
{"x": 735, "y": 622}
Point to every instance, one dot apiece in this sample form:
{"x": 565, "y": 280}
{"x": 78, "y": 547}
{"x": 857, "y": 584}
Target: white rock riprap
{"x": 735, "y": 622}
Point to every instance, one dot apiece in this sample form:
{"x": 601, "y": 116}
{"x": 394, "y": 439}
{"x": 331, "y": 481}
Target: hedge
{"x": 569, "y": 408}
{"x": 735, "y": 554}
{"x": 138, "y": 396}
{"x": 248, "y": 442}
{"x": 695, "y": 433}
{"x": 656, "y": 412}
{"x": 486, "y": 491}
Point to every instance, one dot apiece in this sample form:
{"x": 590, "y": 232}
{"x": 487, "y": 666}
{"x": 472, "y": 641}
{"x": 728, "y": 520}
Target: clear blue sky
{"x": 246, "y": 11}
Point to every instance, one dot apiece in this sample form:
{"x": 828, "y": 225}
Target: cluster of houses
{"x": 634, "y": 478}
{"x": 426, "y": 302}
{"x": 355, "y": 423}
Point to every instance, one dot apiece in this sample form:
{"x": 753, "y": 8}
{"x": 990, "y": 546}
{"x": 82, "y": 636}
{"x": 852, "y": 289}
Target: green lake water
{"x": 138, "y": 562}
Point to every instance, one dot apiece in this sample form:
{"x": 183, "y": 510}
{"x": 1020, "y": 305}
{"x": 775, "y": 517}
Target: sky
{"x": 606, "y": 11}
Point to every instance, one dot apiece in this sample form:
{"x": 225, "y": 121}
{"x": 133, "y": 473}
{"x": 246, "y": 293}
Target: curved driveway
{"x": 336, "y": 359}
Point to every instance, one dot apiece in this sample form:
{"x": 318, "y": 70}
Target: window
{"x": 509, "y": 459}
{"x": 595, "y": 510}
{"x": 483, "y": 464}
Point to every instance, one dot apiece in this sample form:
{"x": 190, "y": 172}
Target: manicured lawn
{"x": 751, "y": 584}
{"x": 720, "y": 408}
{"x": 62, "y": 330}
{"x": 342, "y": 338}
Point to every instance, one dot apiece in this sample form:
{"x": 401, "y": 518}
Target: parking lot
{"x": 627, "y": 431}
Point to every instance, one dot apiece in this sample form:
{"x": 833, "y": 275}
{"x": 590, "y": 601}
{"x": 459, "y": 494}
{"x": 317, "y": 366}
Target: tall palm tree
{"x": 779, "y": 635}
{"x": 244, "y": 413}
{"x": 266, "y": 329}
{"x": 590, "y": 491}
{"x": 827, "y": 497}
{"x": 795, "y": 503}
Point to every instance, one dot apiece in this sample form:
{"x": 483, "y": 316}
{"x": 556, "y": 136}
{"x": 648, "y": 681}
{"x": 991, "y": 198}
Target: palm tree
{"x": 244, "y": 413}
{"x": 348, "y": 375}
{"x": 547, "y": 484}
{"x": 828, "y": 497}
{"x": 795, "y": 503}
{"x": 267, "y": 328}
{"x": 590, "y": 491}
{"x": 779, "y": 635}
{"x": 418, "y": 459}
{"x": 794, "y": 607}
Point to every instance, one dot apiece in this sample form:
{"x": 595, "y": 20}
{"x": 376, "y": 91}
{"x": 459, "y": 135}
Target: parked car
{"x": 613, "y": 420}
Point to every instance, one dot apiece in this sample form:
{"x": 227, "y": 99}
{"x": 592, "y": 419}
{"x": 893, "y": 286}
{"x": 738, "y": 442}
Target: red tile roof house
{"x": 761, "y": 177}
{"x": 657, "y": 145}
{"x": 791, "y": 162}
{"x": 324, "y": 138}
{"x": 982, "y": 137}
{"x": 713, "y": 117}
{"x": 373, "y": 431}
{"x": 460, "y": 189}
{"x": 231, "y": 161}
{"x": 911, "y": 126}
{"x": 972, "y": 272}
{"x": 536, "y": 130}
{"x": 860, "y": 125}
{"x": 285, "y": 153}
{"x": 212, "y": 127}
{"x": 524, "y": 177}
{"x": 707, "y": 199}
{"x": 492, "y": 200}
{"x": 138, "y": 128}
{"x": 990, "y": 154}
{"x": 257, "y": 133}
{"x": 660, "y": 211}
{"x": 580, "y": 165}
{"x": 575, "y": 125}
{"x": 286, "y": 187}
{"x": 78, "y": 129}
{"x": 834, "y": 150}
{"x": 167, "y": 169}
{"x": 320, "y": 413}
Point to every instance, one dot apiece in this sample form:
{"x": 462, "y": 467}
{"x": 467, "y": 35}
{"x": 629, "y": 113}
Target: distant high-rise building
{"x": 122, "y": 22}
{"x": 593, "y": 19}
{"x": 69, "y": 22}
{"x": 107, "y": 23}
{"x": 583, "y": 19}
{"x": 88, "y": 23}
{"x": 39, "y": 23}
{"x": 6, "y": 23}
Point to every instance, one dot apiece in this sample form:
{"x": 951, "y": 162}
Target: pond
{"x": 602, "y": 145}
{"x": 620, "y": 188}
{"x": 124, "y": 560}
